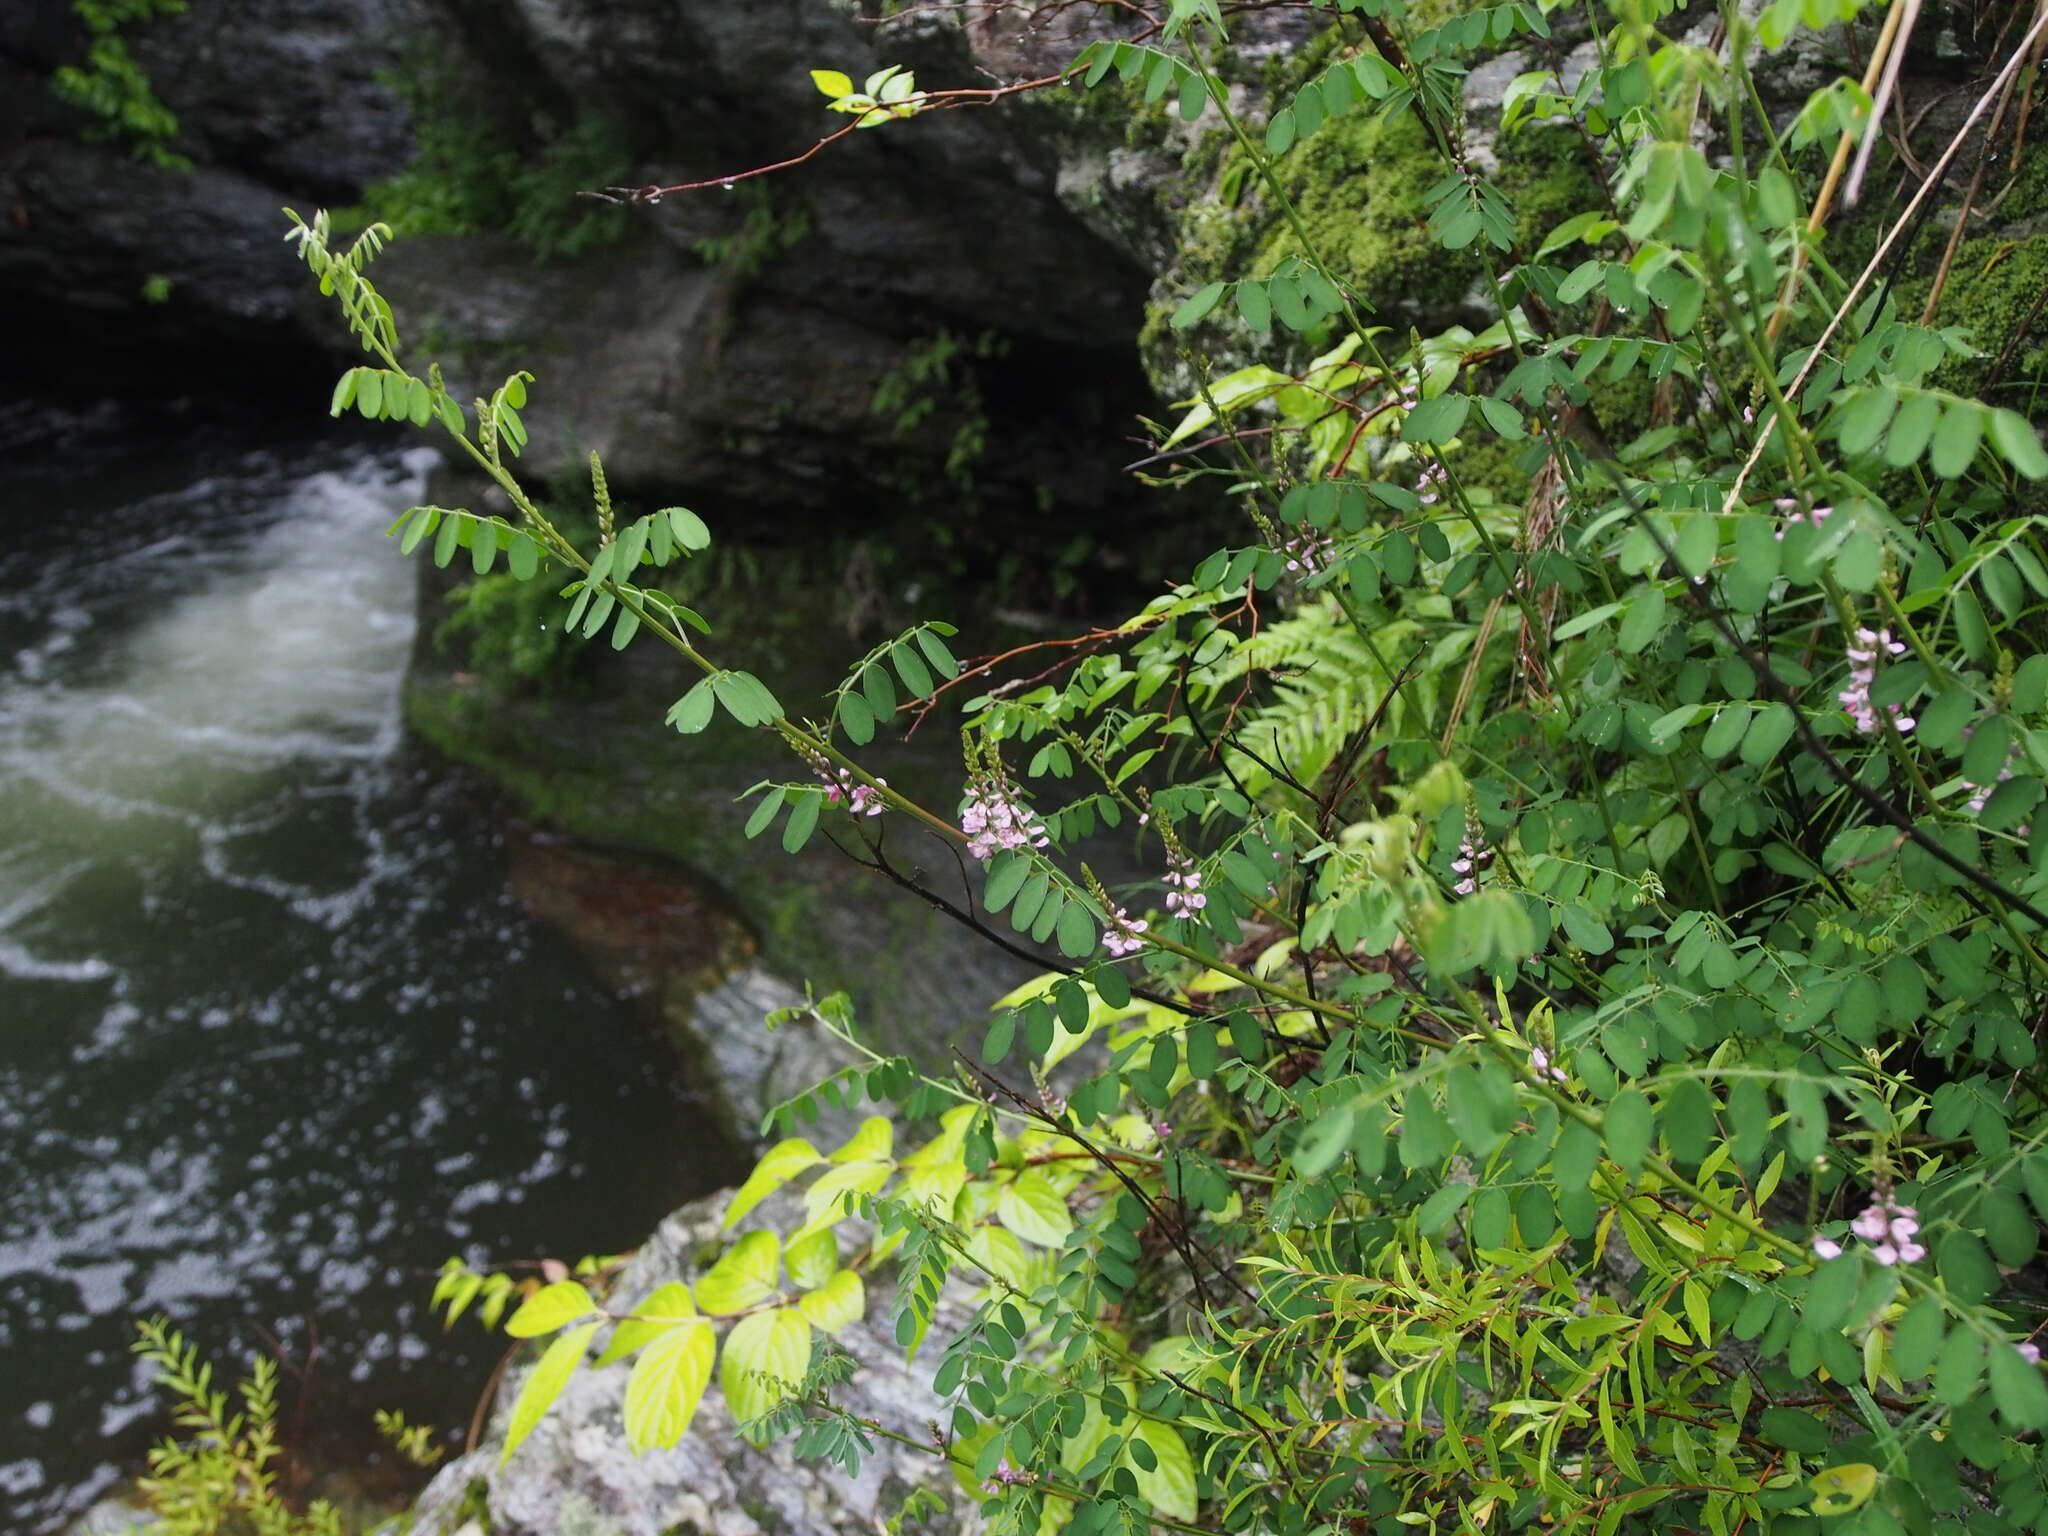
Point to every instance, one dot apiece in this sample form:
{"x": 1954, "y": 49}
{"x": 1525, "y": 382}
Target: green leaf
{"x": 2017, "y": 1388}
{"x": 1966, "y": 1269}
{"x": 765, "y": 813}
{"x": 1628, "y": 1128}
{"x": 803, "y": 820}
{"x": 551, "y": 1307}
{"x": 856, "y": 719}
{"x": 1006, "y": 876}
{"x": 666, "y": 1386}
{"x": 1503, "y": 418}
{"x": 1699, "y": 540}
{"x": 934, "y": 648}
{"x": 1959, "y": 1367}
{"x": 1436, "y": 1212}
{"x": 2014, "y": 437}
{"x": 1794, "y": 1430}
{"x": 1032, "y": 1208}
{"x": 1767, "y": 735}
{"x": 1169, "y": 1484}
{"x": 777, "y": 1165}
{"x": 1911, "y": 429}
{"x": 832, "y": 83}
{"x": 767, "y": 1356}
{"x": 1644, "y": 620}
{"x": 1956, "y": 438}
{"x": 1076, "y": 931}
{"x": 840, "y": 1302}
{"x": 1436, "y": 421}
{"x": 1197, "y": 306}
{"x": 1254, "y": 306}
{"x": 744, "y": 1275}
{"x": 1917, "y": 1338}
{"x": 544, "y": 1383}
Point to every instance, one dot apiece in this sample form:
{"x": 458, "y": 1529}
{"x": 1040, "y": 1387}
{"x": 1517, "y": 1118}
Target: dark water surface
{"x": 274, "y": 1041}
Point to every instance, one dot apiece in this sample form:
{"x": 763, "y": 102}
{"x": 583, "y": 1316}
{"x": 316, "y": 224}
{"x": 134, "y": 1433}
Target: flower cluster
{"x": 1788, "y": 511}
{"x": 993, "y": 821}
{"x": 1541, "y": 1064}
{"x": 1306, "y": 553}
{"x": 1431, "y": 485}
{"x": 1472, "y": 853}
{"x": 843, "y": 789}
{"x": 1889, "y": 1228}
{"x": 1125, "y": 936}
{"x": 1004, "y": 1475}
{"x": 1870, "y": 646}
{"x": 1186, "y": 897}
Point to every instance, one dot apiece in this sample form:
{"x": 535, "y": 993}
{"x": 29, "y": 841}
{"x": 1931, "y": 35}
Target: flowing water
{"x": 274, "y": 1041}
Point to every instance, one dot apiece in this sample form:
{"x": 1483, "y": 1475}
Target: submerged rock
{"x": 575, "y": 1476}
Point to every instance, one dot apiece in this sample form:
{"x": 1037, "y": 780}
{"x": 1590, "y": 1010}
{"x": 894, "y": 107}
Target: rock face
{"x": 738, "y": 344}
{"x": 162, "y": 271}
{"x": 729, "y": 343}
{"x": 575, "y": 1477}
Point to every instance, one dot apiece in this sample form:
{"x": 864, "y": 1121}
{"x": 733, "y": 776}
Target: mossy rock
{"x": 1360, "y": 187}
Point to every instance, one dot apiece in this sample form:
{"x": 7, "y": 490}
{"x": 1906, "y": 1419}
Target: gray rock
{"x": 278, "y": 102}
{"x": 754, "y": 1069}
{"x": 574, "y": 1475}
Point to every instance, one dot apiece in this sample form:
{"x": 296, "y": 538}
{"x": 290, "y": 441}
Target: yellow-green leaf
{"x": 766, "y": 1358}
{"x": 667, "y": 1384}
{"x": 832, "y": 83}
{"x": 544, "y": 1384}
{"x": 875, "y": 1139}
{"x": 744, "y": 1275}
{"x": 1841, "y": 1489}
{"x": 1030, "y": 1207}
{"x": 840, "y": 1302}
{"x": 551, "y": 1307}
{"x": 812, "y": 1259}
{"x": 778, "y": 1164}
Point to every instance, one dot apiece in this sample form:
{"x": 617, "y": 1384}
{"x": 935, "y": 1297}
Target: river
{"x": 274, "y": 1039}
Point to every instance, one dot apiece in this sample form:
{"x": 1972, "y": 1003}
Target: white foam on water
{"x": 169, "y": 684}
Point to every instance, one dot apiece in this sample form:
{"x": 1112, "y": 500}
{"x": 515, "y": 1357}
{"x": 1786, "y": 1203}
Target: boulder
{"x": 574, "y": 1476}
{"x": 173, "y": 274}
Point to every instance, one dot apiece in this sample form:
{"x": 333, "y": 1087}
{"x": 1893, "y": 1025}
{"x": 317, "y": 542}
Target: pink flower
{"x": 1472, "y": 854}
{"x": 1826, "y": 1247}
{"x": 1124, "y": 935}
{"x": 1004, "y": 1476}
{"x": 1789, "y": 510}
{"x": 1870, "y": 646}
{"x": 1890, "y": 1229}
{"x": 1541, "y": 1064}
{"x": 1306, "y": 553}
{"x": 993, "y": 822}
{"x": 2029, "y": 1352}
{"x": 1185, "y": 898}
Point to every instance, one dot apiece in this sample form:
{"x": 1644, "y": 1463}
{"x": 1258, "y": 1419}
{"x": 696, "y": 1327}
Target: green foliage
{"x": 1576, "y": 1066}
{"x": 112, "y": 89}
{"x": 219, "y": 1474}
{"x": 763, "y": 234}
{"x": 939, "y": 372}
{"x": 478, "y": 172}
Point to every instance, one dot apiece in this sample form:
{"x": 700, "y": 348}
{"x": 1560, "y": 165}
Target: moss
{"x": 1359, "y": 186}
{"x": 1991, "y": 291}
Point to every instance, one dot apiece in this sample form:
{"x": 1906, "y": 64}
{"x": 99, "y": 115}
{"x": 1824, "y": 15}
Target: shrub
{"x": 1577, "y": 1066}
